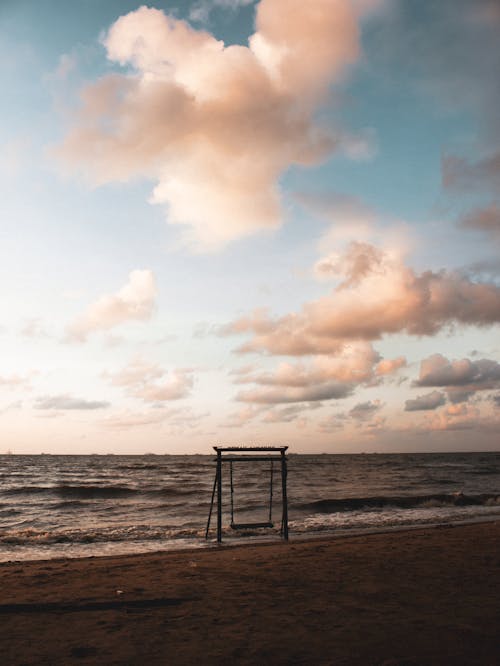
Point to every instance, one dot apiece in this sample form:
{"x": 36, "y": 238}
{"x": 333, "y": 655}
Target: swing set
{"x": 242, "y": 454}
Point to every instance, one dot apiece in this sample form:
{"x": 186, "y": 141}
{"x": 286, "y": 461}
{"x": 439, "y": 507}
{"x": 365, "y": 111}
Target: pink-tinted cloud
{"x": 377, "y": 294}
{"x": 326, "y": 391}
{"x": 389, "y": 366}
{"x": 216, "y": 125}
{"x": 285, "y": 414}
{"x": 133, "y": 302}
{"x": 425, "y": 402}
{"x": 177, "y": 385}
{"x": 439, "y": 371}
{"x": 33, "y": 328}
{"x": 15, "y": 381}
{"x": 127, "y": 419}
{"x": 454, "y": 417}
{"x": 355, "y": 364}
{"x": 365, "y": 411}
{"x": 66, "y": 402}
{"x": 463, "y": 175}
{"x": 323, "y": 378}
{"x": 147, "y": 381}
{"x": 485, "y": 219}
{"x": 137, "y": 372}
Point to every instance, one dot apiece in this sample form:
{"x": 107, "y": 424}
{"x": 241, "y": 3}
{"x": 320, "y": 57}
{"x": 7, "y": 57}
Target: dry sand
{"x": 423, "y": 597}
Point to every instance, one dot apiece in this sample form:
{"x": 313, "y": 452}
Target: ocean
{"x": 55, "y": 506}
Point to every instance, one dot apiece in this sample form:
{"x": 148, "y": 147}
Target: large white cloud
{"x": 216, "y": 125}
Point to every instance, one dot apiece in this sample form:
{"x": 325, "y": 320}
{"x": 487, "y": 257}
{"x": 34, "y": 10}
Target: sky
{"x": 249, "y": 222}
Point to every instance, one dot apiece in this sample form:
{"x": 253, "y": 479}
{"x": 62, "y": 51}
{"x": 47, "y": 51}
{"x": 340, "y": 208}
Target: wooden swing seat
{"x": 249, "y": 526}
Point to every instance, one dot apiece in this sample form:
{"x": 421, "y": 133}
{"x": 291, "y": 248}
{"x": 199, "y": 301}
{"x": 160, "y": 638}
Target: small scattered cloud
{"x": 33, "y": 328}
{"x": 365, "y": 411}
{"x": 425, "y": 402}
{"x": 439, "y": 371}
{"x": 135, "y": 301}
{"x": 486, "y": 220}
{"x": 138, "y": 371}
{"x": 177, "y": 385}
{"x": 461, "y": 379}
{"x": 128, "y": 419}
{"x": 16, "y": 381}
{"x": 66, "y": 402}
{"x": 454, "y": 417}
{"x": 147, "y": 381}
{"x": 464, "y": 175}
{"x": 326, "y": 391}
{"x": 388, "y": 366}
{"x": 332, "y": 423}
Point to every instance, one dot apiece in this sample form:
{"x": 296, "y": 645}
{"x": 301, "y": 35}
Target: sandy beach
{"x": 427, "y": 596}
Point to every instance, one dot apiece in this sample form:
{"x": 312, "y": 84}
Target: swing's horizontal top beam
{"x": 222, "y": 449}
{"x": 249, "y": 458}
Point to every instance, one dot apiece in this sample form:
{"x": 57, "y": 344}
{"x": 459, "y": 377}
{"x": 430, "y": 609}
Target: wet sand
{"x": 429, "y": 596}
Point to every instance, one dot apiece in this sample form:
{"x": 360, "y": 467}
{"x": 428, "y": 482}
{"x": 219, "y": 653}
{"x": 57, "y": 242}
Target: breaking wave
{"x": 400, "y": 502}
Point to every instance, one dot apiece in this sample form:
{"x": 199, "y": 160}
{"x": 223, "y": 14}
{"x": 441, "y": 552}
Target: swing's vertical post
{"x": 284, "y": 520}
{"x": 219, "y": 496}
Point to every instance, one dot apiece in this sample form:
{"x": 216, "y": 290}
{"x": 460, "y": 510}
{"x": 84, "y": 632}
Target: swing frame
{"x": 232, "y": 454}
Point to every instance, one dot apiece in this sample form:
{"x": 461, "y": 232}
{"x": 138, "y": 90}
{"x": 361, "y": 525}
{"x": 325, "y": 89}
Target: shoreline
{"x": 412, "y": 596}
{"x": 176, "y": 545}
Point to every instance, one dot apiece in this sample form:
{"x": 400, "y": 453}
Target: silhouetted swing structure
{"x": 248, "y": 454}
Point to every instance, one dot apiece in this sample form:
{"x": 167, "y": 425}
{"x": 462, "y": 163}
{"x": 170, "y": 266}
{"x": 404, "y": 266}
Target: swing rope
{"x": 232, "y": 491}
{"x": 271, "y": 494}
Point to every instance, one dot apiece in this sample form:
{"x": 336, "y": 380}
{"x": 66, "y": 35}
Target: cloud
{"x": 144, "y": 380}
{"x": 364, "y": 411}
{"x": 326, "y": 391}
{"x": 284, "y": 415}
{"x": 323, "y": 378}
{"x": 133, "y": 302}
{"x": 425, "y": 402}
{"x": 129, "y": 419}
{"x": 177, "y": 386}
{"x": 242, "y": 416}
{"x": 454, "y": 417}
{"x": 459, "y": 173}
{"x": 390, "y": 366}
{"x": 138, "y": 371}
{"x": 439, "y": 371}
{"x": 378, "y": 295}
{"x": 177, "y": 417}
{"x": 332, "y": 423}
{"x": 216, "y": 125}
{"x": 66, "y": 402}
{"x": 484, "y": 219}
{"x": 33, "y": 328}
{"x": 354, "y": 364}
{"x": 15, "y": 381}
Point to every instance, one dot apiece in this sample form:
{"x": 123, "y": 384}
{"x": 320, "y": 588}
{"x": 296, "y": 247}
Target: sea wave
{"x": 401, "y": 502}
{"x": 74, "y": 491}
{"x": 31, "y": 536}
